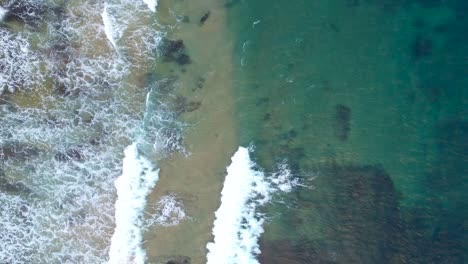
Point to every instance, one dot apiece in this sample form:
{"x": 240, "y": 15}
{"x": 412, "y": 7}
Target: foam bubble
{"x": 138, "y": 177}
{"x": 238, "y": 226}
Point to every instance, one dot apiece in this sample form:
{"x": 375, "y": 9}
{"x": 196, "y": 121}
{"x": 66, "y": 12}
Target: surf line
{"x": 139, "y": 177}
{"x": 238, "y": 225}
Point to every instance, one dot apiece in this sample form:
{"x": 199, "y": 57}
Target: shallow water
{"x": 369, "y": 99}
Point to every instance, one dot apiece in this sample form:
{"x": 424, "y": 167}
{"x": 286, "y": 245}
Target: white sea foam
{"x": 138, "y": 177}
{"x": 152, "y": 4}
{"x": 284, "y": 180}
{"x": 167, "y": 212}
{"x": 108, "y": 28}
{"x": 3, "y": 12}
{"x": 238, "y": 225}
{"x": 20, "y": 65}
{"x": 65, "y": 214}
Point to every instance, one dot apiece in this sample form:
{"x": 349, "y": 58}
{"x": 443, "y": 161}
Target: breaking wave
{"x": 138, "y": 177}
{"x": 239, "y": 223}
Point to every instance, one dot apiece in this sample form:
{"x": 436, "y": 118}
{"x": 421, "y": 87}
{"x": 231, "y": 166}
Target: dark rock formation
{"x": 27, "y": 12}
{"x": 200, "y": 82}
{"x": 174, "y": 50}
{"x": 204, "y": 18}
{"x": 182, "y": 105}
{"x": 342, "y": 122}
{"x": 70, "y": 154}
{"x": 183, "y": 59}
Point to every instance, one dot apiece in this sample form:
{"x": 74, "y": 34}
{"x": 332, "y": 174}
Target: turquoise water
{"x": 368, "y": 99}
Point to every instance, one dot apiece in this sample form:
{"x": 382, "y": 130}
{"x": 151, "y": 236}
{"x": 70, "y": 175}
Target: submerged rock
{"x": 13, "y": 187}
{"x": 27, "y": 12}
{"x": 166, "y": 85}
{"x": 173, "y": 260}
{"x": 204, "y": 18}
{"x": 174, "y": 50}
{"x": 342, "y": 125}
{"x": 17, "y": 151}
{"x": 183, "y": 105}
{"x": 200, "y": 83}
{"x": 421, "y": 47}
{"x": 352, "y": 218}
{"x": 70, "y": 154}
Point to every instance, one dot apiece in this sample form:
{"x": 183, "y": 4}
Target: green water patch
{"x": 370, "y": 96}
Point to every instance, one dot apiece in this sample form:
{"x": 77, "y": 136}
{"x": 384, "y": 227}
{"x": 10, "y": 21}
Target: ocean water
{"x": 234, "y": 132}
{"x": 366, "y": 103}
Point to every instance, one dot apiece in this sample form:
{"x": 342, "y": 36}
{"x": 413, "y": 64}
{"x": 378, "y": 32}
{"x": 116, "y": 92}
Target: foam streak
{"x": 138, "y": 177}
{"x": 108, "y": 27}
{"x": 238, "y": 226}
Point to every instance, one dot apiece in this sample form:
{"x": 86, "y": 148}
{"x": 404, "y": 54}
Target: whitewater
{"x": 76, "y": 132}
{"x": 239, "y": 221}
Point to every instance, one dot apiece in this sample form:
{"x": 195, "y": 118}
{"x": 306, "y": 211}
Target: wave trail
{"x": 238, "y": 226}
{"x": 110, "y": 34}
{"x": 138, "y": 177}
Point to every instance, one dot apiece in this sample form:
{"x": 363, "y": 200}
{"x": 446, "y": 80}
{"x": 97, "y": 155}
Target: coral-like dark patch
{"x": 183, "y": 105}
{"x": 70, "y": 154}
{"x": 199, "y": 84}
{"x": 174, "y": 50}
{"x": 358, "y": 213}
{"x": 342, "y": 125}
{"x": 165, "y": 85}
{"x": 421, "y": 47}
{"x": 438, "y": 226}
